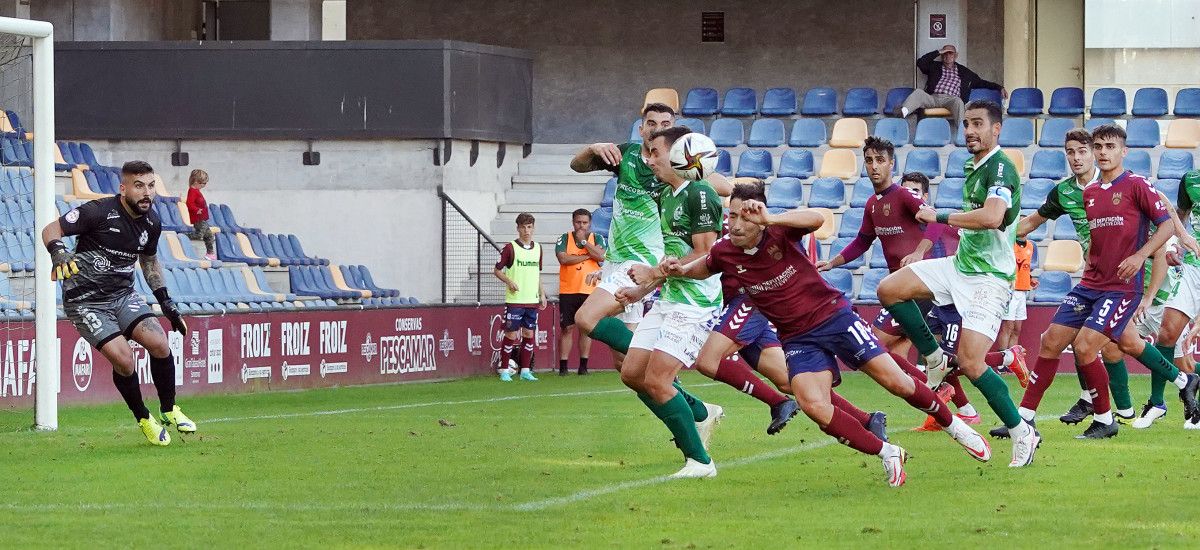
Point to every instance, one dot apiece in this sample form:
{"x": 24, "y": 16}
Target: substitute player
{"x": 100, "y": 300}
{"x": 977, "y": 280}
{"x": 579, "y": 253}
{"x": 520, "y": 269}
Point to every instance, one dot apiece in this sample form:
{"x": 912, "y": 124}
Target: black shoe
{"x": 1078, "y": 412}
{"x": 878, "y": 425}
{"x": 1188, "y": 395}
{"x": 781, "y": 414}
{"x": 562, "y": 371}
{"x": 1002, "y": 431}
{"x": 1099, "y": 431}
{"x": 581, "y": 371}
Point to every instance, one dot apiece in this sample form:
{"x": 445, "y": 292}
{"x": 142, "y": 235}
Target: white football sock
{"x": 968, "y": 410}
{"x": 886, "y": 450}
{"x": 1105, "y": 418}
{"x": 1086, "y": 395}
{"x": 1009, "y": 357}
{"x": 1020, "y": 430}
{"x": 1026, "y": 414}
{"x": 1125, "y": 412}
{"x": 1181, "y": 380}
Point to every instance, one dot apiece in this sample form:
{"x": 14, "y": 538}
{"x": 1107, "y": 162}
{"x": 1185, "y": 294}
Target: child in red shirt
{"x": 198, "y": 210}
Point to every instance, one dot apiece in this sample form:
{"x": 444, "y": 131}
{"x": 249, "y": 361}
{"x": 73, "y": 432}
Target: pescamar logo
{"x": 294, "y": 370}
{"x": 254, "y": 373}
{"x": 474, "y": 343}
{"x": 81, "y": 365}
{"x": 369, "y": 349}
{"x": 407, "y": 353}
{"x": 216, "y": 356}
{"x": 446, "y": 344}
{"x": 333, "y": 368}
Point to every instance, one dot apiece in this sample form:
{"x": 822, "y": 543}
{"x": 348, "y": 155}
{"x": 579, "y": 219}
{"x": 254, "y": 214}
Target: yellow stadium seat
{"x": 1018, "y": 158}
{"x": 839, "y": 163}
{"x": 848, "y": 132}
{"x": 827, "y": 229}
{"x": 340, "y": 282}
{"x": 937, "y": 111}
{"x": 183, "y": 212}
{"x": 667, "y": 96}
{"x": 5, "y": 124}
{"x": 176, "y": 248}
{"x": 248, "y": 250}
{"x": 160, "y": 187}
{"x": 1064, "y": 255}
{"x": 1183, "y": 133}
{"x": 58, "y": 156}
{"x": 252, "y": 284}
{"x": 80, "y": 189}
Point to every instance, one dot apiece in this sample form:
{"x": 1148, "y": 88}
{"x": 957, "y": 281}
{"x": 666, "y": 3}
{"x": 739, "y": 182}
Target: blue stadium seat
{"x": 1142, "y": 132}
{"x": 796, "y": 163}
{"x": 820, "y": 102}
{"x": 851, "y": 222}
{"x": 610, "y": 192}
{"x": 602, "y": 220}
{"x": 739, "y": 102}
{"x": 693, "y": 124}
{"x": 1187, "y": 102}
{"x": 878, "y": 259}
{"x": 634, "y": 135}
{"x": 1065, "y": 230}
{"x": 1139, "y": 162}
{"x": 1093, "y": 123}
{"x": 298, "y": 251}
{"x": 1039, "y": 234}
{"x": 960, "y": 137}
{"x": 986, "y": 94}
{"x": 363, "y": 279}
{"x": 1170, "y": 188}
{"x": 766, "y": 132}
{"x": 727, "y": 132}
{"x": 1035, "y": 191}
{"x": 932, "y": 132}
{"x": 1052, "y": 288}
{"x": 1066, "y": 102}
{"x": 779, "y": 102}
{"x": 870, "y": 282}
{"x": 863, "y": 189}
{"x": 1026, "y": 102}
{"x": 89, "y": 156}
{"x": 1150, "y": 102}
{"x": 895, "y": 98}
{"x": 840, "y": 279}
{"x": 1108, "y": 102}
{"x": 1049, "y": 163}
{"x": 808, "y": 132}
{"x": 700, "y": 102}
{"x": 755, "y": 163}
{"x": 924, "y": 161}
{"x": 838, "y": 245}
{"x": 828, "y": 193}
{"x": 724, "y": 163}
{"x": 894, "y": 130}
{"x": 861, "y": 102}
{"x": 1174, "y": 164}
{"x": 1054, "y": 132}
{"x": 956, "y": 162}
{"x": 1017, "y": 132}
{"x": 949, "y": 193}
{"x": 785, "y": 193}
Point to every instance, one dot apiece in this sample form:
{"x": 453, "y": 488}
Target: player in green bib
{"x": 977, "y": 280}
{"x": 520, "y": 269}
{"x": 1184, "y": 306}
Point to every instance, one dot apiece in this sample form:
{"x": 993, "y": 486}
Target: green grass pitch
{"x": 573, "y": 462}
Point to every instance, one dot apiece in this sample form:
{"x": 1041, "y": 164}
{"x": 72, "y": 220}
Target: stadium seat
{"x": 700, "y": 102}
{"x": 727, "y": 132}
{"x": 1065, "y": 231}
{"x": 338, "y": 278}
{"x": 828, "y": 193}
{"x": 878, "y": 259}
{"x": 262, "y": 249}
{"x": 602, "y": 220}
{"x": 1187, "y": 102}
{"x": 932, "y": 132}
{"x": 924, "y": 161}
{"x": 1052, "y": 288}
{"x": 1054, "y": 132}
{"x": 949, "y": 193}
{"x": 1170, "y": 188}
{"x": 298, "y": 251}
{"x": 634, "y": 135}
{"x": 861, "y": 102}
{"x": 766, "y": 132}
{"x": 1150, "y": 102}
{"x": 851, "y": 222}
{"x": 807, "y": 132}
{"x": 870, "y": 282}
{"x": 1017, "y": 158}
{"x": 956, "y": 162}
{"x": 894, "y": 99}
{"x": 848, "y": 132}
{"x": 724, "y": 163}
{"x": 1026, "y": 102}
{"x": 610, "y": 192}
{"x": 840, "y": 244}
{"x": 828, "y": 228}
{"x": 1049, "y": 163}
{"x": 1017, "y": 132}
{"x": 796, "y": 163}
{"x": 785, "y": 193}
{"x": 1108, "y": 102}
{"x": 1139, "y": 162}
{"x": 1066, "y": 102}
{"x": 1094, "y": 123}
{"x": 1035, "y": 191}
{"x": 894, "y": 130}
{"x": 693, "y": 124}
{"x": 739, "y": 102}
{"x": 1183, "y": 133}
{"x": 667, "y": 96}
{"x": 935, "y": 112}
{"x": 839, "y": 163}
{"x": 840, "y": 279}
{"x": 960, "y": 137}
{"x": 986, "y": 94}
{"x": 779, "y": 102}
{"x": 863, "y": 189}
{"x": 820, "y": 102}
{"x": 363, "y": 277}
{"x": 1142, "y": 132}
{"x": 1174, "y": 164}
{"x": 1039, "y": 234}
{"x": 755, "y": 163}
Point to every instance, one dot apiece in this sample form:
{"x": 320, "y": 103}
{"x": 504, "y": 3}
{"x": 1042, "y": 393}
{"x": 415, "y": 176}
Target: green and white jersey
{"x": 990, "y": 251}
{"x": 1189, "y": 202}
{"x": 635, "y": 233}
{"x": 1067, "y": 198}
{"x": 691, "y": 209}
{"x": 1170, "y": 286}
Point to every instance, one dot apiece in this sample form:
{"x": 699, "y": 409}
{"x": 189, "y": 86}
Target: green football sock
{"x": 1118, "y": 382}
{"x": 1155, "y": 359}
{"x": 1158, "y": 386}
{"x": 677, "y": 416}
{"x": 995, "y": 391}
{"x": 910, "y": 318}
{"x": 613, "y": 332}
{"x": 699, "y": 411}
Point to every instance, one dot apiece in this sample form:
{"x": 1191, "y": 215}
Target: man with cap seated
{"x": 948, "y": 85}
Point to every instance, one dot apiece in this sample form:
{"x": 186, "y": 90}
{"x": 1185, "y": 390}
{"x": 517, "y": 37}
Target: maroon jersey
{"x": 1120, "y": 215}
{"x": 780, "y": 280}
{"x": 892, "y": 217}
{"x": 944, "y": 238}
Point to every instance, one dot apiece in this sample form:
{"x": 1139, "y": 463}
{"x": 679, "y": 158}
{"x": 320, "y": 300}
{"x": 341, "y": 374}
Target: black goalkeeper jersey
{"x": 110, "y": 241}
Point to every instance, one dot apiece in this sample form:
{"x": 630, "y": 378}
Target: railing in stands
{"x": 468, "y": 255}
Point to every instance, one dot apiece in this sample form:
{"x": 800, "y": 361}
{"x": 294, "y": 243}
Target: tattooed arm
{"x": 153, "y": 271}
{"x": 156, "y": 281}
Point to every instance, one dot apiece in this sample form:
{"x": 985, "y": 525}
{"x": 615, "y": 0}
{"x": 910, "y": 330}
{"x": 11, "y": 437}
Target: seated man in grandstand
{"x": 520, "y": 269}
{"x": 100, "y": 300}
{"x": 947, "y": 85}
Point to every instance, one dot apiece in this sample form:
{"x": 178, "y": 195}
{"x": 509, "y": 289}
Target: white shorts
{"x": 614, "y": 277}
{"x": 1187, "y": 300}
{"x": 981, "y": 300}
{"x": 1016, "y": 306}
{"x": 679, "y": 330}
{"x": 1149, "y": 325}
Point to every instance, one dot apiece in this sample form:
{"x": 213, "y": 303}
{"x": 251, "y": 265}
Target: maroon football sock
{"x": 994, "y": 359}
{"x": 739, "y": 376}
{"x": 507, "y": 348}
{"x": 923, "y": 398}
{"x": 849, "y": 432}
{"x": 1097, "y": 378}
{"x": 909, "y": 368}
{"x": 1039, "y": 381}
{"x": 960, "y": 399}
{"x": 841, "y": 403}
{"x": 525, "y": 358}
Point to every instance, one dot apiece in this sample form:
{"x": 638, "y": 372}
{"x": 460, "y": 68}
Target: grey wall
{"x": 118, "y": 19}
{"x": 985, "y": 38}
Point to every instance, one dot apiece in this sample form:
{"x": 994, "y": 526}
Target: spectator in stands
{"x": 198, "y": 211}
{"x": 520, "y": 269}
{"x": 579, "y": 255}
{"x": 948, "y": 85}
{"x": 1010, "y": 326}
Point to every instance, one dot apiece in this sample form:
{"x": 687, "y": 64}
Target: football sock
{"x": 506, "y": 349}
{"x": 739, "y": 376}
{"x": 839, "y": 402}
{"x": 924, "y": 399}
{"x": 995, "y": 391}
{"x": 583, "y": 363}
{"x": 851, "y": 433}
{"x": 562, "y": 364}
{"x": 613, "y": 332}
{"x": 968, "y": 410}
{"x": 1158, "y": 385}
{"x": 1039, "y": 381}
{"x": 910, "y": 318}
{"x": 1026, "y": 414}
{"x": 1103, "y": 418}
{"x": 998, "y": 359}
{"x": 526, "y": 357}
{"x": 699, "y": 411}
{"x": 1155, "y": 359}
{"x": 1085, "y": 394}
{"x": 960, "y": 397}
{"x": 677, "y": 416}
{"x": 132, "y": 394}
{"x": 1118, "y": 382}
{"x": 909, "y": 368}
{"x": 1097, "y": 378}
{"x": 163, "y": 372}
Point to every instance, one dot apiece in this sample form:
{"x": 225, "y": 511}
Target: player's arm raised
{"x": 156, "y": 281}
{"x": 800, "y": 218}
{"x": 597, "y": 156}
{"x": 720, "y": 184}
{"x": 62, "y": 260}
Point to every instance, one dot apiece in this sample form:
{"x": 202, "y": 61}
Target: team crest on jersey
{"x": 1116, "y": 199}
{"x": 887, "y": 210}
{"x": 775, "y": 252}
{"x": 678, "y": 213}
{"x": 143, "y": 238}
{"x": 73, "y": 215}
{"x": 740, "y": 269}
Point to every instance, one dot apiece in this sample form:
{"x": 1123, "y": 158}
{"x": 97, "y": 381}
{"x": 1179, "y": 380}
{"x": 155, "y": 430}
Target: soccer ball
{"x": 694, "y": 157}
